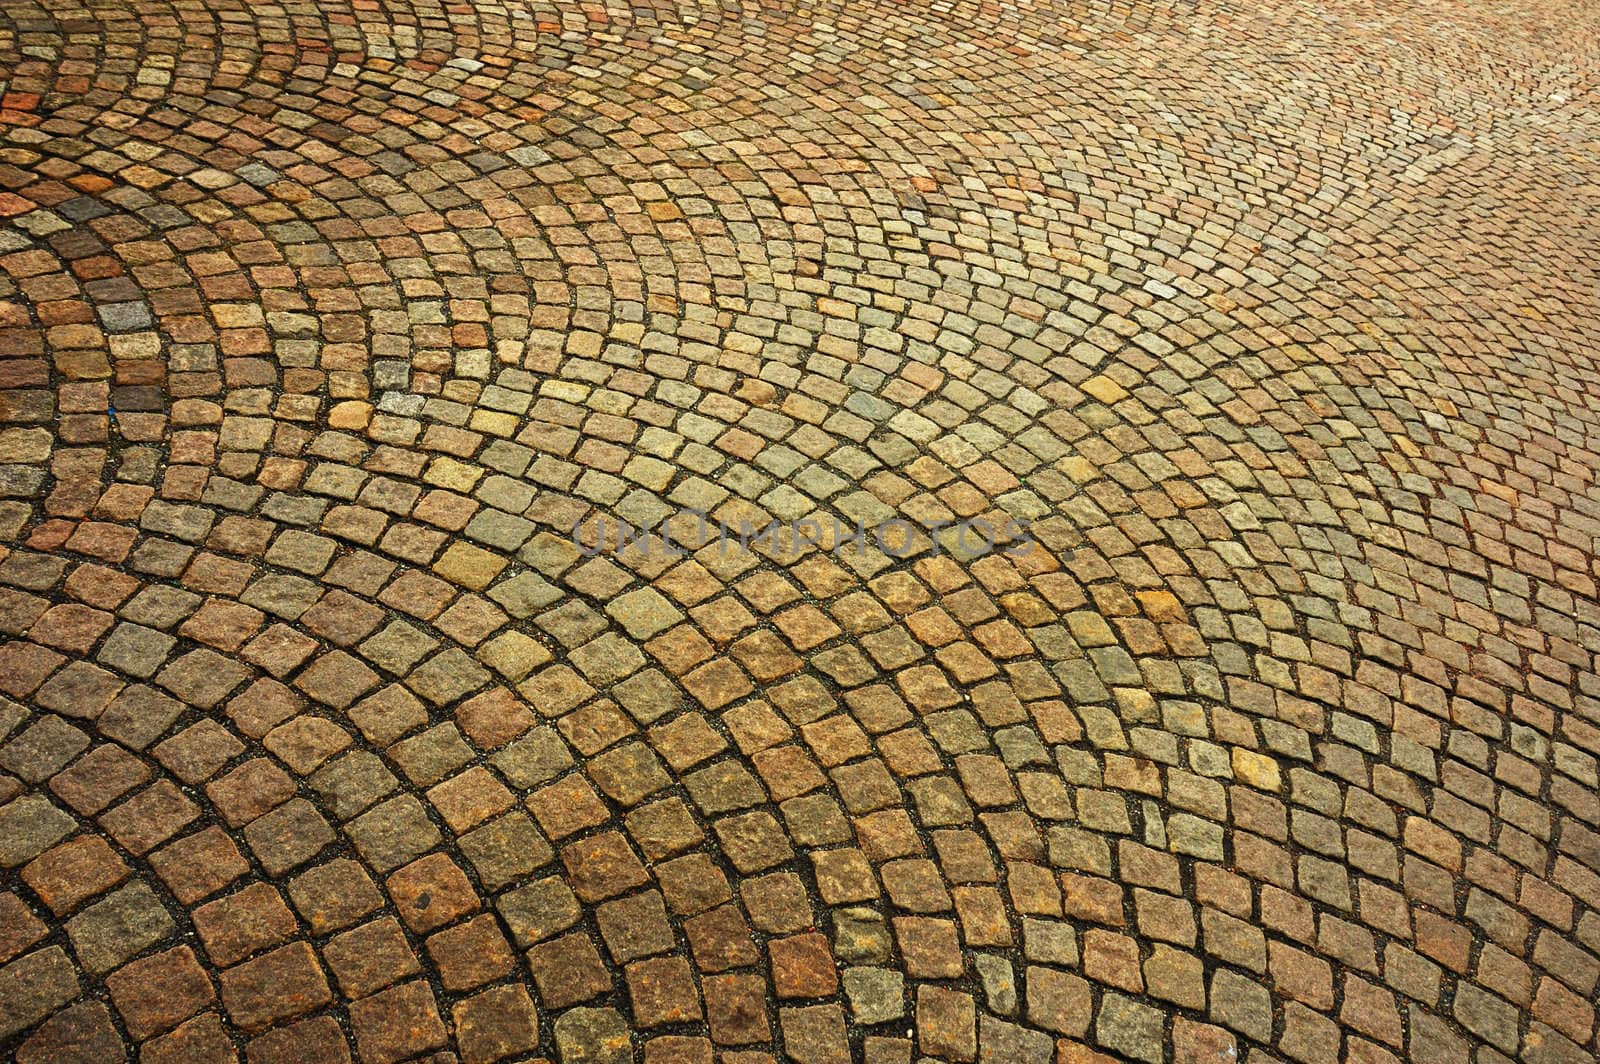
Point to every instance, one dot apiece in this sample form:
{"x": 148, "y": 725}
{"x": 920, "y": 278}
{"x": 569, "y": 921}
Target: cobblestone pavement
{"x": 1274, "y": 738}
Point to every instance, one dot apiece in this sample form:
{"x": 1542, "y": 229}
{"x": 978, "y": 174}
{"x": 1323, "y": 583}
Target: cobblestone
{"x": 339, "y": 723}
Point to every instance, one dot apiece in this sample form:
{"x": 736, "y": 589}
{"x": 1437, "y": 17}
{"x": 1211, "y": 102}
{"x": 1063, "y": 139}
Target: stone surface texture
{"x": 1264, "y": 339}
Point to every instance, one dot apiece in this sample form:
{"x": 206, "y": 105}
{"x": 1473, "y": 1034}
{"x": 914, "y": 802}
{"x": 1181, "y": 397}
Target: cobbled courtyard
{"x": 732, "y": 532}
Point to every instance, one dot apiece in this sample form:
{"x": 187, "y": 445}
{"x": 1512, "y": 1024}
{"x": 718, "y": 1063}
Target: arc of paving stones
{"x": 282, "y": 843}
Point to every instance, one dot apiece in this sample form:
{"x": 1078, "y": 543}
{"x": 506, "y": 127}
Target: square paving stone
{"x": 447, "y": 677}
{"x": 469, "y": 798}
{"x": 243, "y": 923}
{"x": 431, "y": 756}
{"x": 81, "y": 691}
{"x": 279, "y": 649}
{"x": 930, "y": 947}
{"x": 431, "y": 892}
{"x": 397, "y": 1024}
{"x": 370, "y": 957}
{"x": 494, "y": 1025}
{"x": 946, "y": 1023}
{"x": 34, "y": 986}
{"x": 24, "y": 666}
{"x": 493, "y": 718}
{"x": 250, "y": 790}
{"x": 334, "y": 895}
{"x": 471, "y": 954}
{"x": 199, "y": 865}
{"x": 317, "y": 1039}
{"x": 736, "y": 1009}
{"x": 505, "y": 850}
{"x": 263, "y": 706}
{"x": 150, "y": 817}
{"x": 802, "y": 966}
{"x": 664, "y": 828}
{"x": 539, "y": 910}
{"x": 353, "y": 783}
{"x": 274, "y": 987}
{"x": 815, "y": 1034}
{"x": 202, "y": 678}
{"x": 289, "y": 836}
{"x": 393, "y": 833}
{"x": 42, "y": 749}
{"x": 876, "y": 995}
{"x": 568, "y": 970}
{"x": 777, "y": 903}
{"x": 122, "y": 924}
{"x": 593, "y": 1036}
{"x": 197, "y": 752}
{"x": 1128, "y": 1027}
{"x": 336, "y": 679}
{"x": 30, "y": 825}
{"x": 161, "y": 607}
{"x": 567, "y": 807}
{"x": 628, "y": 773}
{"x": 603, "y": 866}
{"x": 635, "y": 926}
{"x": 662, "y": 992}
{"x": 158, "y": 992}
{"x": 81, "y": 1034}
{"x": 721, "y": 939}
{"x": 305, "y": 742}
{"x": 388, "y": 714}
{"x": 66, "y": 875}
{"x": 1000, "y": 1042}
{"x": 397, "y": 647}
{"x": 138, "y": 716}
{"x": 537, "y": 757}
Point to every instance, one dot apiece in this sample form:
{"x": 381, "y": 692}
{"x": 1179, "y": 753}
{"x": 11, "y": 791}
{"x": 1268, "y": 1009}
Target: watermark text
{"x": 687, "y": 531}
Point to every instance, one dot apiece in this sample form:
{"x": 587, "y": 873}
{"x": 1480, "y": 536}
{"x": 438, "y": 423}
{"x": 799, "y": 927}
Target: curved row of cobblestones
{"x": 322, "y": 325}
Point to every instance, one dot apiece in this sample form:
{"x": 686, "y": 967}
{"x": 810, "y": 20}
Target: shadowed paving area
{"x": 1226, "y": 691}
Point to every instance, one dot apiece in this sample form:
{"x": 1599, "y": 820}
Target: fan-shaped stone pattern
{"x": 321, "y": 327}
